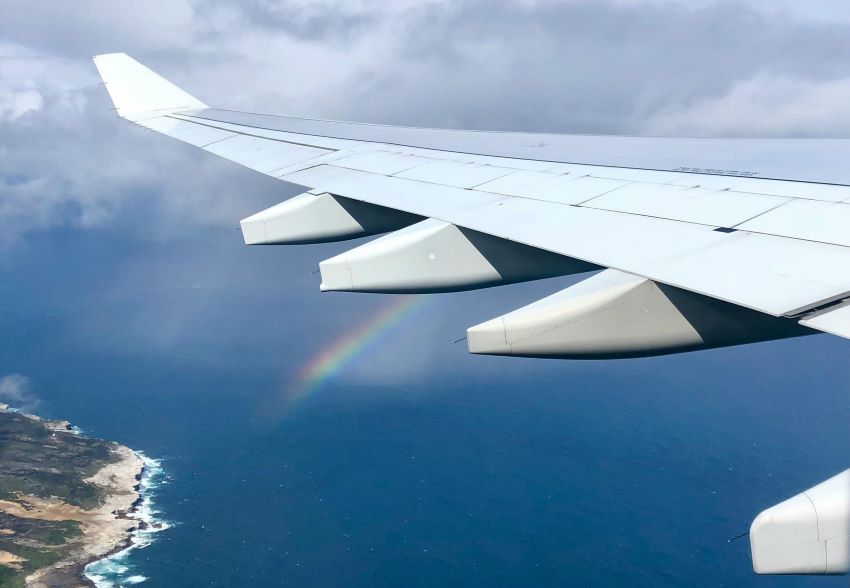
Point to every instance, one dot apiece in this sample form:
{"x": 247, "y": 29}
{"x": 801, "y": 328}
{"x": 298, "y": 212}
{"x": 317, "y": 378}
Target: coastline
{"x": 106, "y": 529}
{"x": 112, "y": 568}
{"x": 121, "y": 520}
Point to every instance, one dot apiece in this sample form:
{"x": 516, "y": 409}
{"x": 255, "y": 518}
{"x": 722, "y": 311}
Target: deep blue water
{"x": 419, "y": 464}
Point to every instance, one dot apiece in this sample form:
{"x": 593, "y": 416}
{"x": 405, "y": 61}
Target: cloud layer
{"x": 615, "y": 66}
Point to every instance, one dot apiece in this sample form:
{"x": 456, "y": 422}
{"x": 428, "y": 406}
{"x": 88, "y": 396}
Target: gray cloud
{"x": 617, "y": 66}
{"x": 332, "y": 21}
{"x": 764, "y": 105}
{"x": 676, "y": 67}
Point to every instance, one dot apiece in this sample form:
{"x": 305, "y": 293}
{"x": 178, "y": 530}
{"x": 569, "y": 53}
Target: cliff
{"x": 65, "y": 500}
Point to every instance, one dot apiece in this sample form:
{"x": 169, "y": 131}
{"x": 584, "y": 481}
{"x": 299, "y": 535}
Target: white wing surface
{"x": 757, "y": 223}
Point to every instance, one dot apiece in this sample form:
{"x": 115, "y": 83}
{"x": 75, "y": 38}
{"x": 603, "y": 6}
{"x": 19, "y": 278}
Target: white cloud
{"x": 16, "y": 391}
{"x": 765, "y": 105}
{"x": 572, "y": 66}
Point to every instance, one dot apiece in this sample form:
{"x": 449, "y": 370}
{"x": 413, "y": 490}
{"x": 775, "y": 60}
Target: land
{"x": 65, "y": 501}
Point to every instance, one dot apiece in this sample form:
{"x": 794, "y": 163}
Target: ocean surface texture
{"x": 317, "y": 440}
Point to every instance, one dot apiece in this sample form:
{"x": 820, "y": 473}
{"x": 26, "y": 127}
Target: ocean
{"x": 311, "y": 439}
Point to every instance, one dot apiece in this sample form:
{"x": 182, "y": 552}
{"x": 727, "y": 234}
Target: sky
{"x": 119, "y": 247}
{"x": 622, "y": 66}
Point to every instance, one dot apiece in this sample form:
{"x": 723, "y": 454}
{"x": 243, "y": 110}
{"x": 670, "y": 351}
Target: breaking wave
{"x": 117, "y": 570}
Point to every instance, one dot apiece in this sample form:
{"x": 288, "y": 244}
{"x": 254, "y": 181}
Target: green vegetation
{"x": 35, "y": 460}
{"x": 39, "y": 543}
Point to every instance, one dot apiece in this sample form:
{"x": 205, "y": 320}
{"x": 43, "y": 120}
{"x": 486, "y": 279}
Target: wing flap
{"x": 835, "y": 321}
{"x": 806, "y": 190}
{"x": 826, "y": 222}
{"x": 691, "y": 205}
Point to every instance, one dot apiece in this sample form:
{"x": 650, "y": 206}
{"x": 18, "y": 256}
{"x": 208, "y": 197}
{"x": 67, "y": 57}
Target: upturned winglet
{"x": 136, "y": 91}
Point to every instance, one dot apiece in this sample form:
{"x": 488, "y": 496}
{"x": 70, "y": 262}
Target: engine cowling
{"x": 615, "y": 314}
{"x": 436, "y": 256}
{"x": 320, "y": 218}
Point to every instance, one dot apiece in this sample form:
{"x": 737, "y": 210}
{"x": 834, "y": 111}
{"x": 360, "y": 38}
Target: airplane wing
{"x": 701, "y": 242}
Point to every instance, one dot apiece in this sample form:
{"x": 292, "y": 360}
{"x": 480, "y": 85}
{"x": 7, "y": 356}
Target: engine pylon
{"x": 806, "y": 534}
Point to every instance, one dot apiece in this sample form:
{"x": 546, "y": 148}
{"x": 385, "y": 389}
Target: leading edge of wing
{"x": 775, "y": 275}
{"x": 138, "y": 92}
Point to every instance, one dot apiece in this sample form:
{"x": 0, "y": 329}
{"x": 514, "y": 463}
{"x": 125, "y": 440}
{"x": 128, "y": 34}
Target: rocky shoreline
{"x": 94, "y": 511}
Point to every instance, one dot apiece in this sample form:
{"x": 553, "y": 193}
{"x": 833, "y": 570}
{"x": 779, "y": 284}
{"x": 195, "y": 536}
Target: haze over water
{"x": 415, "y": 463}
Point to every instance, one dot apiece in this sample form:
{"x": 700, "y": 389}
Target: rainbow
{"x": 351, "y": 345}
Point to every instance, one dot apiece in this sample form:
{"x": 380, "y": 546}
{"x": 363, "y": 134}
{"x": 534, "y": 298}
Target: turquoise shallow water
{"x": 417, "y": 464}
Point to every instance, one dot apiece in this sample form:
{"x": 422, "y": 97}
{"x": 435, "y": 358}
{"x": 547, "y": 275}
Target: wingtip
{"x": 136, "y": 89}
{"x": 114, "y": 54}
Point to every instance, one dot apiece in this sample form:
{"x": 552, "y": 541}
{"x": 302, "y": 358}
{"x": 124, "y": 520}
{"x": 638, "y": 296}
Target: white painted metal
{"x": 705, "y": 181}
{"x": 610, "y": 314}
{"x": 794, "y": 189}
{"x": 600, "y": 171}
{"x": 434, "y": 256}
{"x": 708, "y": 181}
{"x": 276, "y": 135}
{"x": 619, "y": 173}
{"x": 771, "y": 274}
{"x": 381, "y": 162}
{"x": 318, "y": 218}
{"x": 429, "y": 200}
{"x": 508, "y": 162}
{"x": 263, "y": 155}
{"x": 525, "y": 184}
{"x": 616, "y": 314}
{"x": 197, "y": 135}
{"x": 577, "y": 190}
{"x": 329, "y": 158}
{"x": 801, "y": 160}
{"x": 560, "y": 188}
{"x": 827, "y": 222}
{"x": 807, "y": 534}
{"x": 450, "y": 173}
{"x": 135, "y": 90}
{"x": 692, "y": 205}
{"x": 833, "y": 320}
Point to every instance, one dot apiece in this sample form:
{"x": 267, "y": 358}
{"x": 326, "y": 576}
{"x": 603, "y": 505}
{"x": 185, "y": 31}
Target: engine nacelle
{"x": 807, "y": 534}
{"x": 615, "y": 314}
{"x": 320, "y": 218}
{"x": 435, "y": 256}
